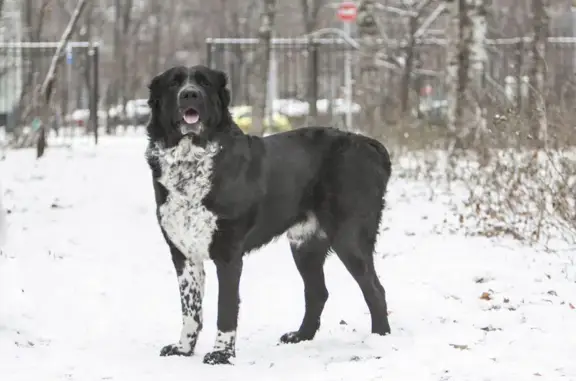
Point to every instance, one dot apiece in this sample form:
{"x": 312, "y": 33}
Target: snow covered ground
{"x": 88, "y": 292}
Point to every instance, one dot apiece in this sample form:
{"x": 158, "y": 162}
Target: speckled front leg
{"x": 191, "y": 282}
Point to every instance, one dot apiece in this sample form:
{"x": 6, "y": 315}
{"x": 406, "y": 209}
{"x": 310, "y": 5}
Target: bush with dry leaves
{"x": 504, "y": 182}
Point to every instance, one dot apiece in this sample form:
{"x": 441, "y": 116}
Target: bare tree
{"x": 466, "y": 68}
{"x": 265, "y": 34}
{"x": 368, "y": 33}
{"x": 310, "y": 11}
{"x": 43, "y": 94}
{"x": 157, "y": 17}
{"x": 537, "y": 109}
{"x": 455, "y": 69}
{"x": 476, "y": 50}
{"x": 414, "y": 30}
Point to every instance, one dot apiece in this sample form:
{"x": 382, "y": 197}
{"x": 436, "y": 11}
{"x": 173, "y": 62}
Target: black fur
{"x": 331, "y": 180}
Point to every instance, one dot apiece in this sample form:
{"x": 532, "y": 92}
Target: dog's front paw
{"x": 294, "y": 337}
{"x": 176, "y": 350}
{"x": 218, "y": 358}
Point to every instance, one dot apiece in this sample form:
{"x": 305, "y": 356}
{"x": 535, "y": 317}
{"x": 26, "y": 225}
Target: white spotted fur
{"x": 225, "y": 341}
{"x": 194, "y": 277}
{"x": 187, "y": 222}
{"x": 303, "y": 231}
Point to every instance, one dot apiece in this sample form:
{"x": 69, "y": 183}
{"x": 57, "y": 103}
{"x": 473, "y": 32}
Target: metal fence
{"x": 23, "y": 66}
{"x": 307, "y": 69}
{"x": 301, "y": 70}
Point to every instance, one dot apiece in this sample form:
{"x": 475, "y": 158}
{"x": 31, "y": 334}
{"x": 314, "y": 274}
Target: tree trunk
{"x": 114, "y": 92}
{"x": 126, "y": 21}
{"x": 310, "y": 10}
{"x": 157, "y": 39}
{"x": 43, "y": 95}
{"x": 537, "y": 109}
{"x": 476, "y": 46}
{"x": 408, "y": 66}
{"x": 457, "y": 64}
{"x": 368, "y": 33}
{"x": 265, "y": 34}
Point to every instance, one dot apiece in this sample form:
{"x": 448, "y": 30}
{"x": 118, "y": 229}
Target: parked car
{"x": 433, "y": 105}
{"x": 299, "y": 108}
{"x": 137, "y": 111}
{"x": 81, "y": 118}
{"x": 242, "y": 115}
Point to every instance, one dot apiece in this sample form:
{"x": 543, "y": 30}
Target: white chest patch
{"x": 186, "y": 174}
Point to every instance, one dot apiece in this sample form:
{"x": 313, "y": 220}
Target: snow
{"x": 88, "y": 292}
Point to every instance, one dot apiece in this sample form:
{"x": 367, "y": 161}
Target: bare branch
{"x": 47, "y": 85}
{"x": 429, "y": 20}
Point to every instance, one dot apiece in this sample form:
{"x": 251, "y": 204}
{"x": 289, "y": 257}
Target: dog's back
{"x": 321, "y": 176}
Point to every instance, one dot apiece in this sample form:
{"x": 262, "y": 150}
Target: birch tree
{"x": 465, "y": 72}
{"x": 368, "y": 33}
{"x": 454, "y": 64}
{"x": 476, "y": 49}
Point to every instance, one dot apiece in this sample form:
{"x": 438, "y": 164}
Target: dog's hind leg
{"x": 351, "y": 217}
{"x": 309, "y": 248}
{"x": 191, "y": 279}
{"x": 356, "y": 252}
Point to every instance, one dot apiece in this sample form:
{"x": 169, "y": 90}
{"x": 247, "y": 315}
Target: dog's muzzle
{"x": 189, "y": 100}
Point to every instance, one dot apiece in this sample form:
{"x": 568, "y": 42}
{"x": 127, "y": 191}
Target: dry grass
{"x": 504, "y": 184}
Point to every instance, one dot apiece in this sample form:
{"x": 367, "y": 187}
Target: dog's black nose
{"x": 189, "y": 94}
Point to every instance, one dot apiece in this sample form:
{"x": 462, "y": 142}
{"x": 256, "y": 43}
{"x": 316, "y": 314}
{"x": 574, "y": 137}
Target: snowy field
{"x": 88, "y": 292}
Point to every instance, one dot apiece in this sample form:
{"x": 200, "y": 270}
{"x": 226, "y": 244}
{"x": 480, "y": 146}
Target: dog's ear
{"x": 153, "y": 90}
{"x": 222, "y": 78}
{"x": 223, "y": 92}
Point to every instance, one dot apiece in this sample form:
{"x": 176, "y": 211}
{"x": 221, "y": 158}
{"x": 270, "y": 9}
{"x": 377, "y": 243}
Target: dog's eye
{"x": 201, "y": 80}
{"x": 173, "y": 83}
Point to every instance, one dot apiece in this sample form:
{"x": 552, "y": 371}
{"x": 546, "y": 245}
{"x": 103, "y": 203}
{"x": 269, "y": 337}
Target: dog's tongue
{"x": 191, "y": 116}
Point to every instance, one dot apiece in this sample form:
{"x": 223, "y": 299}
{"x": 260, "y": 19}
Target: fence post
{"x": 95, "y": 89}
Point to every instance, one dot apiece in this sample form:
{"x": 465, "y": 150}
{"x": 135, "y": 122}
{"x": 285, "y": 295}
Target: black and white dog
{"x": 221, "y": 193}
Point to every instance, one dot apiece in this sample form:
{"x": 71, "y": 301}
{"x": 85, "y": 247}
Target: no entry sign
{"x": 347, "y": 11}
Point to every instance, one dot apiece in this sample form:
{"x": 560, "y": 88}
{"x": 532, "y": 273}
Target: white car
{"x": 81, "y": 117}
{"x": 137, "y": 111}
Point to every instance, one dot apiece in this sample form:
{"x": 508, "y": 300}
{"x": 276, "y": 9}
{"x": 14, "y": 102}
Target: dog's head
{"x": 188, "y": 101}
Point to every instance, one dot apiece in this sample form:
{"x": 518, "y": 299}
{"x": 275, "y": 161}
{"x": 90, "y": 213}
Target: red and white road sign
{"x": 347, "y": 11}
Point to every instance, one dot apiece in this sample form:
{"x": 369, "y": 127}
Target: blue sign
{"x": 69, "y": 57}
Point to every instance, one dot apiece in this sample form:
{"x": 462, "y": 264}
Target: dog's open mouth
{"x": 191, "y": 116}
